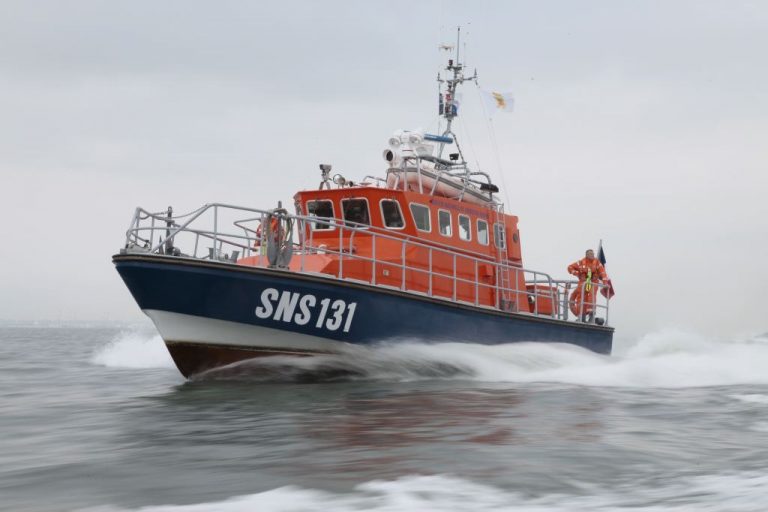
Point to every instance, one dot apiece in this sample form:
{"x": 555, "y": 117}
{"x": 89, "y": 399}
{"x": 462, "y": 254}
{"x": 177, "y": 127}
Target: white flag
{"x": 498, "y": 101}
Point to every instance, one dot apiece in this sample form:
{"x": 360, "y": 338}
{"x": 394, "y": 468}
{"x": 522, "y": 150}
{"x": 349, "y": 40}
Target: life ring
{"x": 585, "y": 303}
{"x": 274, "y": 227}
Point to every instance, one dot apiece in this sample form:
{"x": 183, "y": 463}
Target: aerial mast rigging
{"x": 449, "y": 106}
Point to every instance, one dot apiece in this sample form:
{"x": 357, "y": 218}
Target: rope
{"x": 494, "y": 144}
{"x": 465, "y": 133}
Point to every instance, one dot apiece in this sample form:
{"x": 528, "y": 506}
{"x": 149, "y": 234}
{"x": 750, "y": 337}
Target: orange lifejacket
{"x": 584, "y": 268}
{"x": 582, "y": 299}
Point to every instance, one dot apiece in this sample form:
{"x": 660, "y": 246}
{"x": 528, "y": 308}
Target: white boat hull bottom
{"x": 197, "y": 344}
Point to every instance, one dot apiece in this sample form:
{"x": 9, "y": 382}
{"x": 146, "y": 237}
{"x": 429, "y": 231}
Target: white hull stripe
{"x": 208, "y": 331}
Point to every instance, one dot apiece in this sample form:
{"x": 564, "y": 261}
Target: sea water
{"x": 98, "y": 419}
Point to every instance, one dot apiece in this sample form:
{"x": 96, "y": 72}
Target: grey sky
{"x": 642, "y": 123}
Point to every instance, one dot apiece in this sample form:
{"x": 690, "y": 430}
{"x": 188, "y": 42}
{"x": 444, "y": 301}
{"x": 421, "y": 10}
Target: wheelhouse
{"x": 425, "y": 243}
{"x": 434, "y": 220}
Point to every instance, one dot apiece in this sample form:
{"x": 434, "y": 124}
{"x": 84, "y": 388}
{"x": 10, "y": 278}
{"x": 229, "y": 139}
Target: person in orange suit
{"x": 589, "y": 271}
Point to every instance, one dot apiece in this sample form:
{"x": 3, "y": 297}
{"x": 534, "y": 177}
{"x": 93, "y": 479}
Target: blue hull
{"x": 329, "y": 309}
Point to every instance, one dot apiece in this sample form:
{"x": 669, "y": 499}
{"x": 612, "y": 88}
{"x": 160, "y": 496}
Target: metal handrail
{"x": 467, "y": 183}
{"x": 556, "y": 291}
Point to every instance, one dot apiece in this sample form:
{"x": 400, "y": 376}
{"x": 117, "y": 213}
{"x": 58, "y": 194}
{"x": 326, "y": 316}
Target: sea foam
{"x": 133, "y": 349}
{"x": 664, "y": 359}
{"x": 445, "y": 493}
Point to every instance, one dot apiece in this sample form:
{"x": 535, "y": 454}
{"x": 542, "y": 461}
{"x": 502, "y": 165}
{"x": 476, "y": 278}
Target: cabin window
{"x": 465, "y": 228}
{"x": 321, "y": 209}
{"x": 482, "y": 232}
{"x": 356, "y": 210}
{"x": 444, "y": 221}
{"x": 498, "y": 235}
{"x": 392, "y": 215}
{"x": 421, "y": 217}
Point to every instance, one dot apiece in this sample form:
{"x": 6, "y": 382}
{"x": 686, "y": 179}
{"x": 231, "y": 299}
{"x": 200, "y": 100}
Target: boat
{"x": 425, "y": 253}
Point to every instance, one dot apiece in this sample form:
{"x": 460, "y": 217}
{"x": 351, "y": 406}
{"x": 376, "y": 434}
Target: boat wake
{"x": 665, "y": 359}
{"x": 734, "y": 492}
{"x": 133, "y": 349}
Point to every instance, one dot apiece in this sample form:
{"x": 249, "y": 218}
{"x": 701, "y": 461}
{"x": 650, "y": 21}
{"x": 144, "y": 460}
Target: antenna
{"x": 454, "y": 78}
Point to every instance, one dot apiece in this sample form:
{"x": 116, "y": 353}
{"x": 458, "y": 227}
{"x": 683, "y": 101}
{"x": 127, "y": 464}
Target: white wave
{"x": 752, "y": 398}
{"x": 734, "y": 492}
{"x": 667, "y": 359}
{"x": 133, "y": 349}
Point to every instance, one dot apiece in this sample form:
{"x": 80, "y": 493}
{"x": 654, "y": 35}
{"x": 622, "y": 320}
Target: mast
{"x": 408, "y": 154}
{"x": 455, "y": 77}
